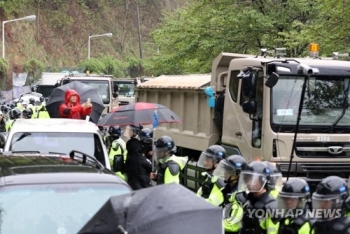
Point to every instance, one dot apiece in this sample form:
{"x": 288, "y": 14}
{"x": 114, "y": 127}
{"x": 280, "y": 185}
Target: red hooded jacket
{"x": 76, "y": 111}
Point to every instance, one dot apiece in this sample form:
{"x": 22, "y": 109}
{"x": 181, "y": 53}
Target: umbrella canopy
{"x": 170, "y": 209}
{"x": 84, "y": 91}
{"x": 139, "y": 113}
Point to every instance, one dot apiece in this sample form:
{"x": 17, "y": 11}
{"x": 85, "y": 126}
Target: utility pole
{"x": 138, "y": 27}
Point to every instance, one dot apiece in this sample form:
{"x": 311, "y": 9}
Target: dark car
{"x": 53, "y": 193}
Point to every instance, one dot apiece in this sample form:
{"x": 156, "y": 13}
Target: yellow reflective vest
{"x": 215, "y": 195}
{"x": 118, "y": 147}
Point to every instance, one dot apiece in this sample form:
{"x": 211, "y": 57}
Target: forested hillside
{"x": 59, "y": 35}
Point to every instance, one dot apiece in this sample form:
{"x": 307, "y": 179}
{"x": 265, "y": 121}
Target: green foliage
{"x": 134, "y": 67}
{"x": 34, "y": 68}
{"x": 113, "y": 66}
{"x": 93, "y": 65}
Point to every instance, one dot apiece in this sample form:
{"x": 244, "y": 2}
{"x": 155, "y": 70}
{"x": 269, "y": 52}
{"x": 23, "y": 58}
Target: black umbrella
{"x": 139, "y": 113}
{"x": 84, "y": 91}
{"x": 170, "y": 209}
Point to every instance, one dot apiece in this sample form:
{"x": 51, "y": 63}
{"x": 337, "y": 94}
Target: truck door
{"x": 240, "y": 129}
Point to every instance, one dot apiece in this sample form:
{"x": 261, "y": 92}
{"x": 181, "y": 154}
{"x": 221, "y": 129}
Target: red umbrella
{"x": 139, "y": 113}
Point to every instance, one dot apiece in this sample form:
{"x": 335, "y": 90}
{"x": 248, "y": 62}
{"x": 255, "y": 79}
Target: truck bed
{"x": 184, "y": 94}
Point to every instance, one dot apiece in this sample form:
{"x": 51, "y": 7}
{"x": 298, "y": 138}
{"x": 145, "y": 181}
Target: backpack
{"x": 118, "y": 161}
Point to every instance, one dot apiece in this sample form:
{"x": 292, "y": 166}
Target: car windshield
{"x": 323, "y": 101}
{"x": 52, "y": 208}
{"x": 59, "y": 142}
{"x": 102, "y": 87}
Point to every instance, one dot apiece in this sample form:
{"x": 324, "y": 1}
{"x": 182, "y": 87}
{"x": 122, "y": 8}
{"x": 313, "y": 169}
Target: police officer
{"x": 210, "y": 189}
{"x": 14, "y": 114}
{"x": 117, "y": 150}
{"x": 32, "y": 106}
{"x": 330, "y": 196}
{"x": 146, "y": 137}
{"x": 256, "y": 200}
{"x": 291, "y": 204}
{"x": 229, "y": 169}
{"x": 27, "y": 113}
{"x": 41, "y": 112}
{"x": 168, "y": 167}
{"x": 276, "y": 181}
{"x": 19, "y": 104}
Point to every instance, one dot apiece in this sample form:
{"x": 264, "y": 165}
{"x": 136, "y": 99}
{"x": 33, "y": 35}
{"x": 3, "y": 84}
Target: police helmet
{"x": 229, "y": 167}
{"x": 276, "y": 179}
{"x": 164, "y": 143}
{"x": 12, "y": 105}
{"x": 114, "y": 131}
{"x": 214, "y": 153}
{"x": 294, "y": 194}
{"x": 146, "y": 135}
{"x": 31, "y": 101}
{"x": 15, "y": 113}
{"x": 163, "y": 147}
{"x": 27, "y": 113}
{"x": 330, "y": 194}
{"x": 254, "y": 177}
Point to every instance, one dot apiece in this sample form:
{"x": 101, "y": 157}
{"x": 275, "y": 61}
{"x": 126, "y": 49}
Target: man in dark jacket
{"x": 137, "y": 166}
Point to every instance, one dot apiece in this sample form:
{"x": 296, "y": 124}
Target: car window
{"x": 54, "y": 208}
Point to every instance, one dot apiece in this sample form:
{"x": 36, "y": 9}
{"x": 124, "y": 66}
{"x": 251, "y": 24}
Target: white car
{"x": 57, "y": 135}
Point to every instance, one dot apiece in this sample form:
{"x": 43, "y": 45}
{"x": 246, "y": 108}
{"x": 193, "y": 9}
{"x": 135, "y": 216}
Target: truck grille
{"x": 323, "y": 149}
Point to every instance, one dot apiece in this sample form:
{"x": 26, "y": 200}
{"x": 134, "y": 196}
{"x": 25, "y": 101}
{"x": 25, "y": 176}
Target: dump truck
{"x": 103, "y": 83}
{"x": 292, "y": 112}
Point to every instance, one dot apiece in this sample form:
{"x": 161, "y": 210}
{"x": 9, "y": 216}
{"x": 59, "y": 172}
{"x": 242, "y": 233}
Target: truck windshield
{"x": 58, "y": 142}
{"x": 102, "y": 87}
{"x": 323, "y": 101}
{"x": 53, "y": 208}
{"x": 126, "y": 89}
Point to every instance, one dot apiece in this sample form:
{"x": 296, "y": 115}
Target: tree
{"x": 190, "y": 38}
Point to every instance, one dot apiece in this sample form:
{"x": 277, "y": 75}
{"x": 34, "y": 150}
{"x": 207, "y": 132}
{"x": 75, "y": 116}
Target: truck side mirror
{"x": 115, "y": 88}
{"x": 272, "y": 80}
{"x": 249, "y": 107}
{"x": 115, "y": 95}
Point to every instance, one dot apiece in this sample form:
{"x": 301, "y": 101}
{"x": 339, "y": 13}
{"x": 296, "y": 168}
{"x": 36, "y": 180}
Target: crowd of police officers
{"x": 18, "y": 108}
{"x": 243, "y": 190}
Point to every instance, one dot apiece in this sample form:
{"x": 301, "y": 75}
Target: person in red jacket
{"x": 71, "y": 108}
